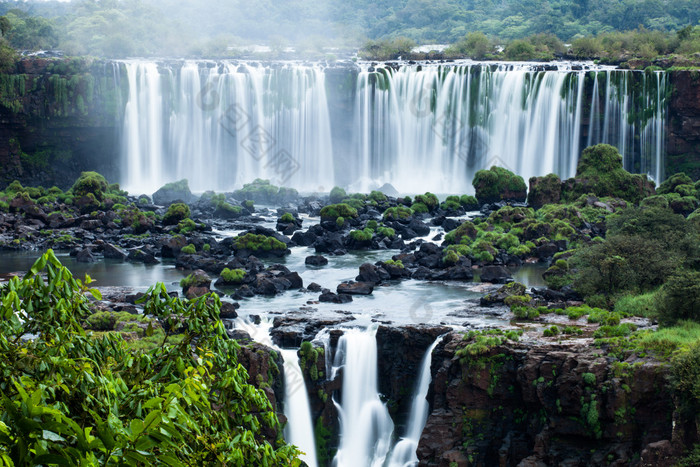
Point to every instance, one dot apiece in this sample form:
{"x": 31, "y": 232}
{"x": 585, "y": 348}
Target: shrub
{"x": 450, "y": 257}
{"x": 679, "y": 298}
{"x": 638, "y": 305}
{"x": 287, "y": 218}
{"x": 463, "y": 234}
{"x": 551, "y": 331}
{"x": 176, "y": 212}
{"x": 419, "y": 208}
{"x": 340, "y": 222}
{"x": 469, "y": 202}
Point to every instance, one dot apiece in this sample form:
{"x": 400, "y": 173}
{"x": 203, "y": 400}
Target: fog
{"x": 216, "y": 28}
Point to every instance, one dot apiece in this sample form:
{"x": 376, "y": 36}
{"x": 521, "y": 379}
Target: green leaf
{"x": 51, "y": 436}
{"x": 49, "y": 459}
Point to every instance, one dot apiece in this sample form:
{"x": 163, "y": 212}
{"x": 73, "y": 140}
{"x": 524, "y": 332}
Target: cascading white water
{"x": 404, "y": 453}
{"x": 299, "y": 429}
{"x": 365, "y": 425}
{"x": 223, "y": 124}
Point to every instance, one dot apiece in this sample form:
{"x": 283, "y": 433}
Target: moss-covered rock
{"x": 90, "y": 183}
{"x": 172, "y": 192}
{"x": 466, "y": 231}
{"x": 334, "y": 211}
{"x": 176, "y": 212}
{"x": 398, "y": 212}
{"x": 337, "y": 195}
{"x": 259, "y": 243}
{"x": 600, "y": 172}
{"x": 671, "y": 183}
{"x": 499, "y": 184}
{"x": 544, "y": 190}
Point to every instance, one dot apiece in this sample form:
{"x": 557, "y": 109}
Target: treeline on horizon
{"x": 119, "y": 28}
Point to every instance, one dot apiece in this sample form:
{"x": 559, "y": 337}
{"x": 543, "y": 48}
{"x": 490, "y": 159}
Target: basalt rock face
{"x": 59, "y": 118}
{"x": 683, "y": 143}
{"x": 545, "y": 404}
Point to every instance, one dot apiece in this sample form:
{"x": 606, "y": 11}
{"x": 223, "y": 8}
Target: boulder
{"x": 171, "y": 192}
{"x": 114, "y": 252}
{"x": 355, "y": 288}
{"x": 85, "y": 256}
{"x": 330, "y": 297}
{"x": 495, "y": 274}
{"x": 316, "y": 260}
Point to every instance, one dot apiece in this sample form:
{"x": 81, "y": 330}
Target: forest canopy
{"x": 149, "y": 27}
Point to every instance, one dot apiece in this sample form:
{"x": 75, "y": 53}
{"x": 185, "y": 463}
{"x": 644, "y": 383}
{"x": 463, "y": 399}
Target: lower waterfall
{"x": 404, "y": 453}
{"x": 365, "y": 425}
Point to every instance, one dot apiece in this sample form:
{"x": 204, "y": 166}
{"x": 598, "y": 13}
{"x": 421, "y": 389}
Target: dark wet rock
{"x": 355, "y": 288}
{"x": 388, "y": 189}
{"x": 243, "y": 291}
{"x": 140, "y": 255}
{"x": 499, "y": 296}
{"x": 372, "y": 274}
{"x": 330, "y": 297}
{"x": 114, "y": 252}
{"x": 458, "y": 272}
{"x": 304, "y": 238}
{"x": 228, "y": 310}
{"x": 540, "y": 393}
{"x": 172, "y": 192}
{"x": 196, "y": 284}
{"x": 85, "y": 256}
{"x": 329, "y": 242}
{"x": 495, "y": 274}
{"x": 316, "y": 260}
{"x": 91, "y": 224}
{"x": 313, "y": 287}
{"x": 546, "y": 251}
{"x": 292, "y": 329}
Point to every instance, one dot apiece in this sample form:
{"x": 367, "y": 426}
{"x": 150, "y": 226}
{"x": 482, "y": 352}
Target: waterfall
{"x": 365, "y": 425}
{"x": 299, "y": 430}
{"x": 404, "y": 453}
{"x": 223, "y": 124}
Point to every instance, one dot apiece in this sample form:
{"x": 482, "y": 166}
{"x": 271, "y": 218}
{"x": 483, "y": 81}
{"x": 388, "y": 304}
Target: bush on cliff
{"x": 499, "y": 184}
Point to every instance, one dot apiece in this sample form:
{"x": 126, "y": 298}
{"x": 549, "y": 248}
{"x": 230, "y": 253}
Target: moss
{"x": 194, "y": 281}
{"x": 671, "y": 183}
{"x": 551, "y": 331}
{"x": 176, "y": 213}
{"x": 450, "y": 257}
{"x": 419, "y": 208}
{"x": 377, "y": 196}
{"x": 340, "y": 222}
{"x": 364, "y": 235}
{"x": 465, "y": 233}
{"x": 398, "y": 212}
{"x": 333, "y": 211}
{"x": 396, "y": 264}
{"x": 469, "y": 202}
{"x": 544, "y": 190}
{"x": 189, "y": 249}
{"x": 255, "y": 242}
{"x": 428, "y": 199}
{"x": 232, "y": 276}
{"x": 600, "y": 172}
{"x": 337, "y": 195}
{"x": 90, "y": 183}
{"x": 186, "y": 226}
{"x": 386, "y": 232}
{"x": 287, "y": 218}
{"x": 498, "y": 184}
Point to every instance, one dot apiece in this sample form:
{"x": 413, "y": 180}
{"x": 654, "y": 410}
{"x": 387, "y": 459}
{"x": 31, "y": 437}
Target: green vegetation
{"x": 256, "y": 243}
{"x": 396, "y": 213}
{"x": 334, "y": 211}
{"x": 189, "y": 249}
{"x": 362, "y": 236}
{"x": 287, "y": 218}
{"x": 337, "y": 195}
{"x": 498, "y": 184}
{"x": 396, "y": 264}
{"x": 72, "y": 398}
{"x": 176, "y": 213}
{"x": 90, "y": 183}
{"x": 232, "y": 276}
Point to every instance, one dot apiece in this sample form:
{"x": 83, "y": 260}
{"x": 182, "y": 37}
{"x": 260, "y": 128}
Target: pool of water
{"x": 400, "y": 302}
